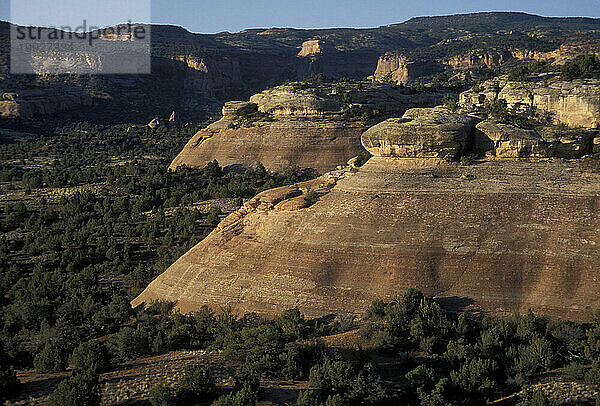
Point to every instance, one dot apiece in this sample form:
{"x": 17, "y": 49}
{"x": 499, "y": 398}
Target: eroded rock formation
{"x": 33, "y": 102}
{"x": 421, "y": 132}
{"x": 503, "y": 235}
{"x": 573, "y": 103}
{"x": 500, "y": 236}
{"x": 501, "y": 140}
{"x": 318, "y": 127}
{"x": 395, "y": 68}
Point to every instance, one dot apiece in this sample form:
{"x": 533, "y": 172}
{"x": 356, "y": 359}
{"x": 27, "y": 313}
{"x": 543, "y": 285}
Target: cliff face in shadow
{"x": 195, "y": 74}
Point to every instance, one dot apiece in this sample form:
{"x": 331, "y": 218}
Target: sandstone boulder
{"x": 508, "y": 141}
{"x": 174, "y": 118}
{"x": 234, "y": 109}
{"x": 287, "y": 101}
{"x": 396, "y": 68}
{"x": 154, "y": 123}
{"x": 314, "y": 47}
{"x": 421, "y": 132}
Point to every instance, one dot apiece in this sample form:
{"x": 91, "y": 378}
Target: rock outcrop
{"x": 501, "y": 236}
{"x": 287, "y": 101}
{"x": 154, "y": 123}
{"x": 317, "y": 127}
{"x": 421, "y": 132}
{"x": 313, "y": 47}
{"x": 29, "y": 103}
{"x": 501, "y": 140}
{"x": 393, "y": 67}
{"x": 573, "y": 103}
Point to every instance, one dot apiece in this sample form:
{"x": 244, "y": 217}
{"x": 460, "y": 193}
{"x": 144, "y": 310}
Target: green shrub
{"x": 367, "y": 387}
{"x": 522, "y": 72}
{"x": 197, "y": 382}
{"x": 214, "y": 216}
{"x": 342, "y": 378}
{"x": 161, "y": 395}
{"x": 311, "y": 197}
{"x": 421, "y": 377}
{"x": 297, "y": 359}
{"x": 435, "y": 397}
{"x": 81, "y": 389}
{"x": 333, "y": 376}
{"x": 592, "y": 343}
{"x": 91, "y": 355}
{"x": 308, "y": 398}
{"x": 260, "y": 347}
{"x": 534, "y": 358}
{"x": 498, "y": 109}
{"x": 467, "y": 160}
{"x": 243, "y": 397}
{"x": 475, "y": 378}
{"x": 52, "y": 358}
{"x": 450, "y": 103}
{"x": 593, "y": 375}
{"x": 9, "y": 383}
{"x": 569, "y": 336}
{"x": 335, "y": 400}
{"x": 362, "y": 158}
{"x": 376, "y": 310}
{"x": 293, "y": 324}
{"x": 575, "y": 371}
{"x": 583, "y": 66}
{"x": 535, "y": 398}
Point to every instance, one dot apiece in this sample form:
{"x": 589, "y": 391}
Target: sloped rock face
{"x": 505, "y": 140}
{"x": 510, "y": 236}
{"x": 317, "y": 144}
{"x": 313, "y": 47}
{"x": 317, "y": 128}
{"x": 574, "y": 103}
{"x": 421, "y": 132}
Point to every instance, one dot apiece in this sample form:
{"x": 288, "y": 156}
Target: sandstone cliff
{"x": 573, "y": 103}
{"x": 310, "y": 126}
{"x": 510, "y": 236}
{"x": 500, "y": 236}
{"x": 502, "y": 140}
{"x": 395, "y": 68}
{"x": 425, "y": 132}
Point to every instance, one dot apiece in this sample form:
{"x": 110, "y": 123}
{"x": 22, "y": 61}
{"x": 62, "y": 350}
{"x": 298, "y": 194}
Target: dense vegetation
{"x": 582, "y": 67}
{"x": 431, "y": 356}
{"x": 89, "y": 216}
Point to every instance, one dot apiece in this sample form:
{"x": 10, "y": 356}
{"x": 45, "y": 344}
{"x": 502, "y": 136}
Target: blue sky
{"x": 235, "y": 15}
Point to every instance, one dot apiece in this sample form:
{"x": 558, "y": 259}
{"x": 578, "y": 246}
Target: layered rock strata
{"x": 494, "y": 139}
{"x": 573, "y": 103}
{"x": 318, "y": 127}
{"x": 424, "y": 132}
{"x": 500, "y": 236}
